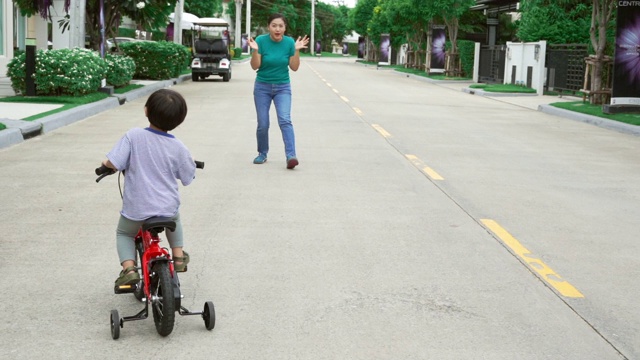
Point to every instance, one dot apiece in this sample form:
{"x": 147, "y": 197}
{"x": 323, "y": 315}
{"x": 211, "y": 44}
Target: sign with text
{"x": 626, "y": 63}
{"x": 438, "y": 42}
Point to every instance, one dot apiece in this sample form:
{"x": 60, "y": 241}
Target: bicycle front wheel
{"x": 162, "y": 301}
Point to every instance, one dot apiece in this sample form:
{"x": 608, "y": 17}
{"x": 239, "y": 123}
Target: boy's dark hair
{"x": 166, "y": 109}
{"x": 277, "y": 16}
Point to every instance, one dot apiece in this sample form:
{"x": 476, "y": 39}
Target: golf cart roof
{"x": 211, "y": 21}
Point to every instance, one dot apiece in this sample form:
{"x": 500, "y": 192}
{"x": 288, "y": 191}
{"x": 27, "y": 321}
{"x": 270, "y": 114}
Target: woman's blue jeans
{"x": 280, "y": 94}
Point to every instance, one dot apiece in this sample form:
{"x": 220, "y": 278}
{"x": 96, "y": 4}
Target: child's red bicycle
{"x": 159, "y": 286}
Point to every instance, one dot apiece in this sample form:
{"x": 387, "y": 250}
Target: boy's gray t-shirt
{"x": 154, "y": 161}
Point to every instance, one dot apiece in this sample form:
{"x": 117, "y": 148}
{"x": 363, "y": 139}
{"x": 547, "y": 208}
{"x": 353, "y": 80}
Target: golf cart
{"x": 210, "y": 49}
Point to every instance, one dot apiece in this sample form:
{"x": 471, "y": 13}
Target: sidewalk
{"x": 20, "y": 130}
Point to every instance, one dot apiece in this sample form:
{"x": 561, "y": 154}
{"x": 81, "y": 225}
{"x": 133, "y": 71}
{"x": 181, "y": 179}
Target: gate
{"x": 492, "y": 59}
{"x": 565, "y": 67}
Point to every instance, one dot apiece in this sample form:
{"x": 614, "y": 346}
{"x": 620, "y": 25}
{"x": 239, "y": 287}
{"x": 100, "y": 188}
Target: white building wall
{"x": 521, "y": 56}
{"x": 6, "y": 34}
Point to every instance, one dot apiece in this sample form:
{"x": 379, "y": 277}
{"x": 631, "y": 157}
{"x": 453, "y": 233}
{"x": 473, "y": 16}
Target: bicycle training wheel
{"x": 209, "y": 315}
{"x": 163, "y": 303}
{"x": 115, "y": 324}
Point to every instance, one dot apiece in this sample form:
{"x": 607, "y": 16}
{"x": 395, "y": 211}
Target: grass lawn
{"x": 129, "y": 87}
{"x": 596, "y": 110}
{"x": 68, "y": 102}
{"x": 324, "y": 54}
{"x": 503, "y": 88}
{"x": 417, "y": 72}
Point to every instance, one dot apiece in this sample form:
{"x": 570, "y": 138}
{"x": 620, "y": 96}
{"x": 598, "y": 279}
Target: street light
{"x": 313, "y": 27}
{"x": 238, "y": 22}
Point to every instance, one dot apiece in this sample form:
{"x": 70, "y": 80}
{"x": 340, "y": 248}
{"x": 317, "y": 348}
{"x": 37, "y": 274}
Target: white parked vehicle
{"x": 211, "y": 49}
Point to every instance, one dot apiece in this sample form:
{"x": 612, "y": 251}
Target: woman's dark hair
{"x": 277, "y": 16}
{"x": 166, "y": 109}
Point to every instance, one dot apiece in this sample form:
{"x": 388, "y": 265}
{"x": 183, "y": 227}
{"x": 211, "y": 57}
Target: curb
{"x": 19, "y": 131}
{"x": 590, "y": 119}
{"x": 481, "y": 92}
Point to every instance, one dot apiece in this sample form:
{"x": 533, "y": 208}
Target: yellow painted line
{"x": 382, "y": 131}
{"x": 432, "y": 174}
{"x": 358, "y": 111}
{"x": 344, "y": 98}
{"x": 427, "y": 170}
{"x": 335, "y": 90}
{"x": 536, "y": 264}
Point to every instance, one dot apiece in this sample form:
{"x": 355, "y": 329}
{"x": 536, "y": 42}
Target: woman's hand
{"x": 253, "y": 44}
{"x": 301, "y": 43}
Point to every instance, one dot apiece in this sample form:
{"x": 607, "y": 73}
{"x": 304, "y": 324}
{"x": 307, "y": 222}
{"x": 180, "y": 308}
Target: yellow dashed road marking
{"x": 425, "y": 169}
{"x": 550, "y": 276}
{"x": 382, "y": 131}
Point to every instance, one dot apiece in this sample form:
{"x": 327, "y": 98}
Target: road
{"x": 422, "y": 223}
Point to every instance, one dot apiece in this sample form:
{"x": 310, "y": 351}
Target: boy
{"x": 153, "y": 160}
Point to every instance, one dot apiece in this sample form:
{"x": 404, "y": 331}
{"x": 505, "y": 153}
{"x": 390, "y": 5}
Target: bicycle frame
{"x": 152, "y": 252}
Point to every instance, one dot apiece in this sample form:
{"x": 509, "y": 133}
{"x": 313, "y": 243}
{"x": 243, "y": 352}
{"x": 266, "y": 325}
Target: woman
{"x": 273, "y": 55}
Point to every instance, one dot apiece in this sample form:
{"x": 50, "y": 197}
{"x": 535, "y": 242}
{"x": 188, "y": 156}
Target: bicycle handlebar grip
{"x": 103, "y": 170}
{"x": 199, "y": 164}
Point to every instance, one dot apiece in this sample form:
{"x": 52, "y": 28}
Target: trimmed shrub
{"x": 120, "y": 69}
{"x": 237, "y": 53}
{"x": 467, "y": 50}
{"x": 157, "y": 60}
{"x": 60, "y": 72}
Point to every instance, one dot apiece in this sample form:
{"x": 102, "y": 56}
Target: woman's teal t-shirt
{"x": 274, "y": 67}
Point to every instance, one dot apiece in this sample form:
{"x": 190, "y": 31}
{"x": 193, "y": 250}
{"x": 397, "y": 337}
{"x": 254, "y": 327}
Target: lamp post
{"x": 248, "y": 22}
{"x": 238, "y": 36}
{"x": 313, "y": 27}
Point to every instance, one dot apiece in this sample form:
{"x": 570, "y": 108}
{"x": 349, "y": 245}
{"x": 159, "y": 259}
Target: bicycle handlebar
{"x": 104, "y": 171}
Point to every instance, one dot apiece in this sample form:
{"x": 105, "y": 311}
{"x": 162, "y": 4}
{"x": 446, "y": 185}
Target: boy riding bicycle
{"x": 153, "y": 160}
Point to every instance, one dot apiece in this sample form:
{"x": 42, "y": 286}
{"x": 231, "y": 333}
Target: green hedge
{"x": 70, "y": 72}
{"x": 467, "y": 49}
{"x": 120, "y": 69}
{"x": 60, "y": 72}
{"x": 157, "y": 60}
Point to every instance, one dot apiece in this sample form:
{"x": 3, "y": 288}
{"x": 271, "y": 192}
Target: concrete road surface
{"x": 421, "y": 223}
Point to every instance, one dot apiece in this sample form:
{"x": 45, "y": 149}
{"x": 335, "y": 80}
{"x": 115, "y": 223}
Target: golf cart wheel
{"x": 226, "y": 77}
{"x": 116, "y": 323}
{"x": 194, "y": 77}
{"x": 209, "y": 315}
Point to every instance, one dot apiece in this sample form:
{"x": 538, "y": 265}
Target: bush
{"x": 60, "y": 72}
{"x": 467, "y": 49}
{"x": 157, "y": 60}
{"x": 120, "y": 69}
{"x": 237, "y": 53}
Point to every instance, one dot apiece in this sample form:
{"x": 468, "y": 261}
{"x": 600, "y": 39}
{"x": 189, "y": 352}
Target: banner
{"x": 245, "y": 44}
{"x": 438, "y": 41}
{"x": 318, "y": 48}
{"x": 385, "y": 50}
{"x": 626, "y": 63}
{"x": 360, "y": 47}
{"x": 345, "y": 49}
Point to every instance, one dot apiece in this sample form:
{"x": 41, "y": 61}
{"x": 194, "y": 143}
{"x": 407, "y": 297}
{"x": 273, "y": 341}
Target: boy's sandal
{"x": 183, "y": 260}
{"x": 128, "y": 276}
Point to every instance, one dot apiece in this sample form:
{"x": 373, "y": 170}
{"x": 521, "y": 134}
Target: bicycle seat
{"x": 159, "y": 223}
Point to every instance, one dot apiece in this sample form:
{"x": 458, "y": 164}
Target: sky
{"x": 348, "y": 3}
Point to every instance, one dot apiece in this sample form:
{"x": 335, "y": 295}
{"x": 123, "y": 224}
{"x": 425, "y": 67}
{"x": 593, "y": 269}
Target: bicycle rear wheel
{"x": 163, "y": 303}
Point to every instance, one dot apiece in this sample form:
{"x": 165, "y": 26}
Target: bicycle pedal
{"x": 125, "y": 289}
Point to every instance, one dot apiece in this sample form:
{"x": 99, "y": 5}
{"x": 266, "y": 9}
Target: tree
{"x": 602, "y": 13}
{"x": 556, "y": 21}
{"x": 148, "y": 14}
{"x": 204, "y": 8}
{"x": 450, "y": 12}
